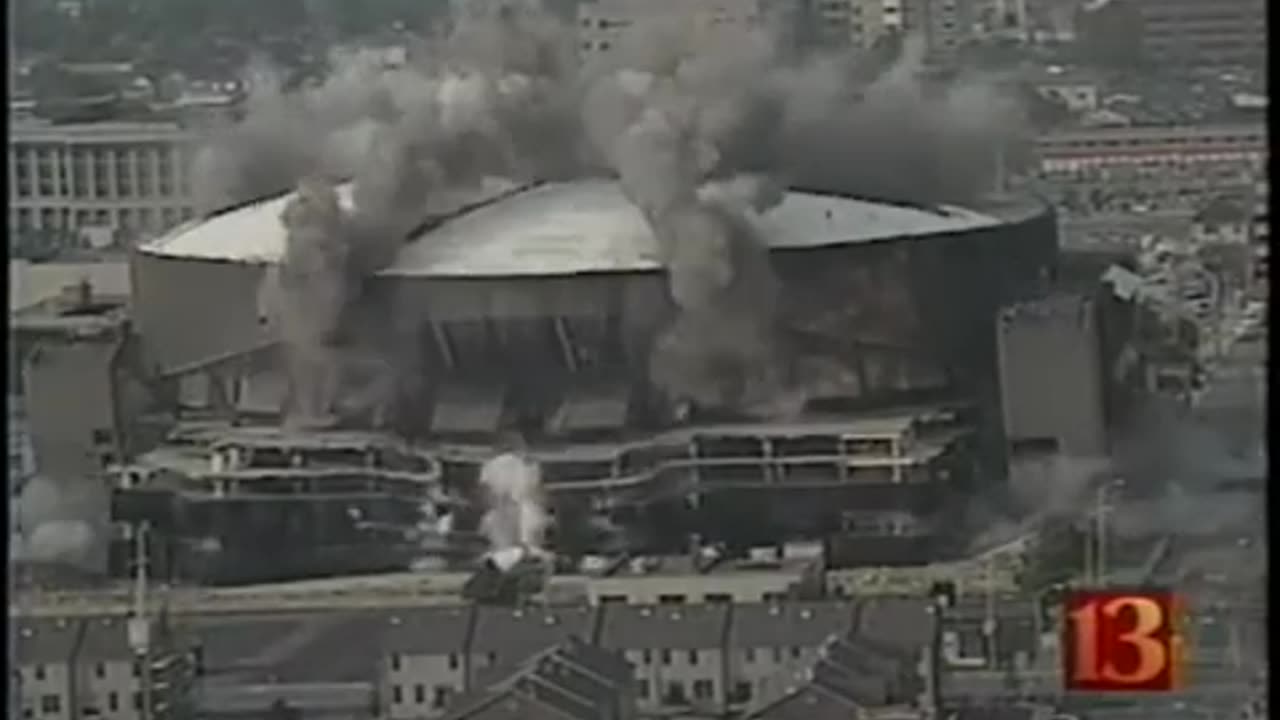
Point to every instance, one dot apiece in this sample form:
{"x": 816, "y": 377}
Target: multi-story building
{"x": 1204, "y": 32}
{"x": 572, "y": 680}
{"x": 1004, "y": 19}
{"x": 426, "y": 660}
{"x": 1159, "y": 148}
{"x": 945, "y": 25}
{"x": 677, "y": 651}
{"x": 70, "y": 348}
{"x": 70, "y": 669}
{"x": 121, "y": 180}
{"x": 1051, "y": 377}
{"x": 602, "y": 23}
{"x": 769, "y": 643}
{"x": 705, "y": 658}
{"x": 853, "y": 23}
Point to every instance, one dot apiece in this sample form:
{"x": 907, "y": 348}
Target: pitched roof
{"x": 788, "y": 624}
{"x": 570, "y": 681}
{"x": 663, "y": 627}
{"x": 105, "y": 639}
{"x": 520, "y": 632}
{"x": 40, "y": 642}
{"x": 873, "y": 664}
{"x": 437, "y": 630}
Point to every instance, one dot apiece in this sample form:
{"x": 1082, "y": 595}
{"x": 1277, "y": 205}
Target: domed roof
{"x": 556, "y": 229}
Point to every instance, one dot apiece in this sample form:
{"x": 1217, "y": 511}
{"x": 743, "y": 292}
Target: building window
{"x": 675, "y": 694}
{"x": 749, "y": 655}
{"x": 693, "y": 657}
{"x": 703, "y": 689}
{"x": 397, "y": 696}
{"x": 395, "y": 662}
{"x": 642, "y": 688}
{"x": 492, "y": 659}
{"x": 646, "y": 657}
{"x": 419, "y": 694}
{"x": 777, "y": 655}
{"x": 741, "y": 692}
{"x": 100, "y": 670}
{"x": 440, "y": 696}
{"x": 795, "y": 653}
{"x": 671, "y": 599}
{"x": 453, "y": 661}
{"x": 613, "y": 599}
{"x": 50, "y": 704}
{"x": 718, "y": 598}
{"x": 137, "y": 701}
{"x": 666, "y": 657}
{"x": 113, "y": 702}
{"x": 39, "y": 672}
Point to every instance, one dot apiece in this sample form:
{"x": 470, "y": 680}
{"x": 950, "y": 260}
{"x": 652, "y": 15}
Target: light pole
{"x": 139, "y": 628}
{"x": 1100, "y": 510}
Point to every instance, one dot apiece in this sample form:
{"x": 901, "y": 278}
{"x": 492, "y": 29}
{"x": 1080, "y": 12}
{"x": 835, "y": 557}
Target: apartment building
{"x": 769, "y": 643}
{"x": 602, "y": 23}
{"x": 858, "y": 24}
{"x": 1204, "y": 33}
{"x": 572, "y": 680}
{"x": 1159, "y": 148}
{"x": 680, "y": 658}
{"x": 424, "y": 660}
{"x": 945, "y": 25}
{"x": 70, "y": 669}
{"x": 99, "y": 181}
{"x": 502, "y": 637}
{"x": 677, "y": 652}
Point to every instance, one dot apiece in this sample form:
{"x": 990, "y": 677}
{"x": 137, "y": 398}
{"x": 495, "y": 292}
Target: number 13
{"x": 1153, "y": 653}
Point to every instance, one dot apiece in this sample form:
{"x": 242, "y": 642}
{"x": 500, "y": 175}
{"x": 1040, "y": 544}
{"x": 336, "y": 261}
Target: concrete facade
{"x": 74, "y": 669}
{"x": 603, "y": 23}
{"x": 130, "y": 179}
{"x": 1204, "y": 33}
{"x": 1052, "y": 381}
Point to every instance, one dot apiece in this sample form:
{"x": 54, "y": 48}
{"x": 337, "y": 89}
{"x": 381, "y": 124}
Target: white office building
{"x": 101, "y": 181}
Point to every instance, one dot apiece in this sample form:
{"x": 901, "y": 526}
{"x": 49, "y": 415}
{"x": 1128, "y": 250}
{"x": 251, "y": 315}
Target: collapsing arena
{"x": 540, "y": 321}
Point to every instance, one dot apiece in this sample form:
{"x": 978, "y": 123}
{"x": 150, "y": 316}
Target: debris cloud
{"x": 703, "y": 126}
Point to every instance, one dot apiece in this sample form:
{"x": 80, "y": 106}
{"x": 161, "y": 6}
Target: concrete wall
{"x": 190, "y": 311}
{"x": 1051, "y": 375}
{"x": 423, "y": 685}
{"x": 70, "y": 407}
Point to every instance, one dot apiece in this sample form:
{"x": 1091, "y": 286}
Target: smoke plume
{"x": 515, "y": 517}
{"x": 703, "y": 127}
{"x": 58, "y": 522}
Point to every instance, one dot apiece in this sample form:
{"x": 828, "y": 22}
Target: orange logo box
{"x": 1122, "y": 641}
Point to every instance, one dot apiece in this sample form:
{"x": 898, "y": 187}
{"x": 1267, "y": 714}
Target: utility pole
{"x": 1101, "y": 564}
{"x": 140, "y": 623}
{"x": 989, "y": 623}
{"x": 1088, "y": 551}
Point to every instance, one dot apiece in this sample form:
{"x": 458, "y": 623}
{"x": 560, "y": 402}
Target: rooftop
{"x": 788, "y": 624}
{"x": 45, "y": 641}
{"x": 664, "y": 627}
{"x": 69, "y": 314}
{"x": 30, "y": 283}
{"x": 555, "y": 229}
{"x": 517, "y": 633}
